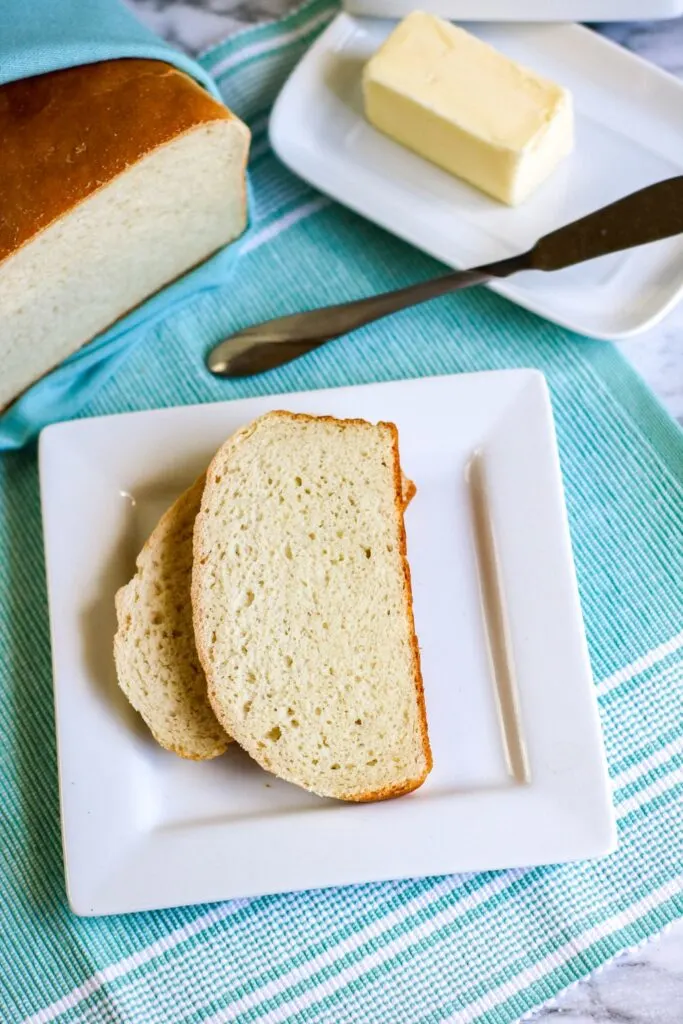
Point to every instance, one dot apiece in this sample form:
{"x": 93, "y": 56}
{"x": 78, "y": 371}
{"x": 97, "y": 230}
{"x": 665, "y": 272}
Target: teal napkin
{"x": 485, "y": 947}
{"x": 38, "y": 36}
{"x": 47, "y": 35}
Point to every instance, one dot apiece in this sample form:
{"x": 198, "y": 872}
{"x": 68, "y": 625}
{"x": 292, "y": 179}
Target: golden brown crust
{"x": 411, "y": 784}
{"x": 400, "y": 505}
{"x": 68, "y": 133}
{"x": 408, "y": 491}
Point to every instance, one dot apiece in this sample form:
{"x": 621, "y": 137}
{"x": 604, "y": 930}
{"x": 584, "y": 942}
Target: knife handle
{"x": 648, "y": 215}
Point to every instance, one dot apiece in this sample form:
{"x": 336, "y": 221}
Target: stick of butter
{"x": 458, "y": 102}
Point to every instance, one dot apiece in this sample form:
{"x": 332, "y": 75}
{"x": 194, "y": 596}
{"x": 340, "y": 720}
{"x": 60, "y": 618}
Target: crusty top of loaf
{"x": 68, "y": 133}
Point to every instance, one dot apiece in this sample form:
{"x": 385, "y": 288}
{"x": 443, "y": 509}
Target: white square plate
{"x": 628, "y": 126}
{"x": 519, "y": 770}
{"x": 523, "y": 10}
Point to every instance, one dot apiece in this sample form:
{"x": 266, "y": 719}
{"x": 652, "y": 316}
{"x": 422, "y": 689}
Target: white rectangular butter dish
{"x": 522, "y": 10}
{"x": 628, "y": 118}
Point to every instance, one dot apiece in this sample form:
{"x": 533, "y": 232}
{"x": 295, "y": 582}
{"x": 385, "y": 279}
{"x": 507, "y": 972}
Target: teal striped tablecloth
{"x": 484, "y": 947}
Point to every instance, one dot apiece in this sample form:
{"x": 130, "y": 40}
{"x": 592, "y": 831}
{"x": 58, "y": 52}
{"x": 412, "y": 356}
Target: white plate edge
{"x": 283, "y": 149}
{"x": 80, "y": 899}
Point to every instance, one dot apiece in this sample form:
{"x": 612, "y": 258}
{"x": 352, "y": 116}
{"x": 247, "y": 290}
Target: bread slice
{"x": 158, "y": 667}
{"x": 156, "y": 658}
{"x": 302, "y": 606}
{"x": 115, "y": 178}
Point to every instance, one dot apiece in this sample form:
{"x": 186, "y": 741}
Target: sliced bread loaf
{"x": 158, "y": 667}
{"x": 302, "y": 606}
{"x": 115, "y": 178}
{"x": 156, "y": 658}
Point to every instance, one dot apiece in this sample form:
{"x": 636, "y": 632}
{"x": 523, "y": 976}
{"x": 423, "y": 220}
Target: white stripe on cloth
{"x": 268, "y": 45}
{"x": 468, "y": 902}
{"x": 287, "y": 220}
{"x": 135, "y": 960}
{"x": 659, "y": 787}
{"x": 499, "y": 995}
{"x": 375, "y": 928}
{"x": 162, "y": 946}
{"x": 566, "y": 952}
{"x": 655, "y": 760}
{"x": 640, "y": 664}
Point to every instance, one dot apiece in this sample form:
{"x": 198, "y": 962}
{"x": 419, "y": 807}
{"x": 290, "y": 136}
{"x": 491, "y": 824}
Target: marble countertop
{"x": 646, "y": 986}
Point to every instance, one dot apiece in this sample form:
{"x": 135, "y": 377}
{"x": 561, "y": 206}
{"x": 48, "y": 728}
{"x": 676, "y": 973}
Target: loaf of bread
{"x": 157, "y": 664}
{"x": 115, "y": 178}
{"x": 302, "y": 606}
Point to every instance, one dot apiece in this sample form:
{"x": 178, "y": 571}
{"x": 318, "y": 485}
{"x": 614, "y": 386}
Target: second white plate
{"x": 524, "y": 10}
{"x": 629, "y": 117}
{"x": 519, "y": 769}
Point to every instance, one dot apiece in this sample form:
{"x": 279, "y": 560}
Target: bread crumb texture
{"x": 302, "y": 605}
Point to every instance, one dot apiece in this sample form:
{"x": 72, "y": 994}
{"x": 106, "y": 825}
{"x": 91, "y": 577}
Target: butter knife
{"x": 648, "y": 215}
